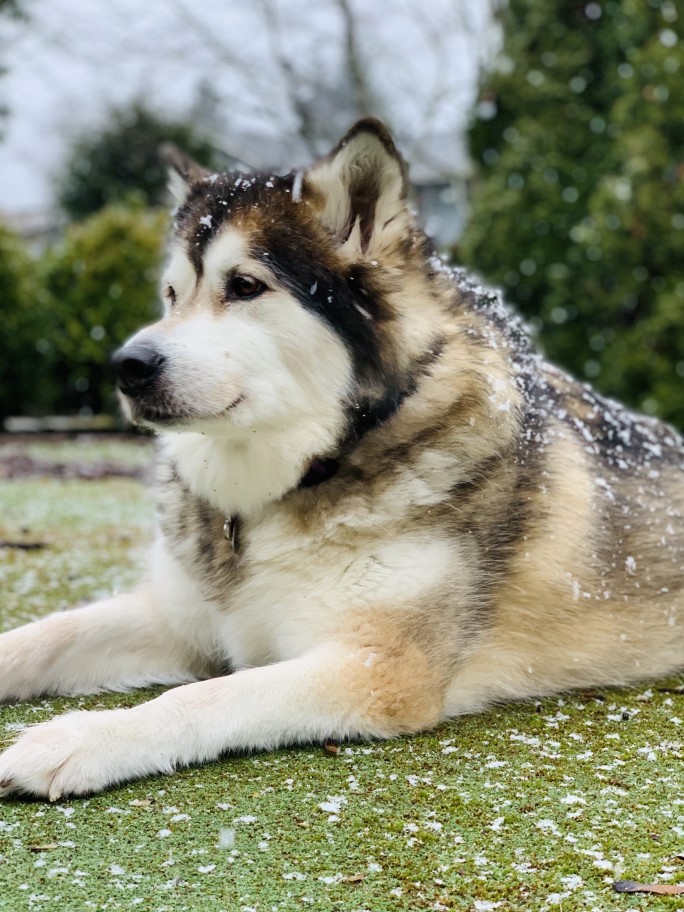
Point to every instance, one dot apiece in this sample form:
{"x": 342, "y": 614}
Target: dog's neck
{"x": 239, "y": 476}
{"x": 319, "y": 471}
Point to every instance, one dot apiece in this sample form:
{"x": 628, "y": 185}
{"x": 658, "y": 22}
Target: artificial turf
{"x": 539, "y": 806}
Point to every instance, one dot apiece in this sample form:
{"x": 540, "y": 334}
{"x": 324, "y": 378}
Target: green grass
{"x": 529, "y": 807}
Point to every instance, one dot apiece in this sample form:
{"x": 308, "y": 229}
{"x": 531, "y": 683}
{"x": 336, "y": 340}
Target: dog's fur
{"x": 423, "y": 517}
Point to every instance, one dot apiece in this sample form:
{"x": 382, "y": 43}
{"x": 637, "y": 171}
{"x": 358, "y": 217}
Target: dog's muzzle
{"x": 135, "y": 368}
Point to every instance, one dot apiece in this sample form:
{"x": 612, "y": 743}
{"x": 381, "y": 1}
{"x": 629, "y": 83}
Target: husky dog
{"x": 378, "y": 508}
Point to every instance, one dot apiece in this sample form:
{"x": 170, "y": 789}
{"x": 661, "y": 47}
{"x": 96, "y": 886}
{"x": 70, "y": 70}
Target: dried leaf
{"x": 140, "y": 802}
{"x": 592, "y": 695}
{"x": 43, "y": 848}
{"x": 23, "y": 545}
{"x": 632, "y": 886}
{"x": 354, "y": 878}
{"x": 331, "y": 747}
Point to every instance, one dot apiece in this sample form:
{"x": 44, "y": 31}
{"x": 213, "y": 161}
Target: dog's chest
{"x": 295, "y": 590}
{"x": 306, "y": 568}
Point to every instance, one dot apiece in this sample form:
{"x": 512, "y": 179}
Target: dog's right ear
{"x": 182, "y": 171}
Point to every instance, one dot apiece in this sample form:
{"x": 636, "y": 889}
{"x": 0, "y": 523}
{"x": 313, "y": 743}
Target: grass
{"x": 530, "y": 807}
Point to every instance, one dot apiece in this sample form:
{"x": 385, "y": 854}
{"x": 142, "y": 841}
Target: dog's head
{"x": 277, "y": 295}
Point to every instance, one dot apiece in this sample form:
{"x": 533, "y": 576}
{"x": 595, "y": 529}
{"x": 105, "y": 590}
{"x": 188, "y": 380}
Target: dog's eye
{"x": 170, "y": 294}
{"x": 243, "y": 287}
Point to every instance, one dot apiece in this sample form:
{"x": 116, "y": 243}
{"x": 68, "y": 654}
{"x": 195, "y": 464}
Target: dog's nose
{"x": 135, "y": 367}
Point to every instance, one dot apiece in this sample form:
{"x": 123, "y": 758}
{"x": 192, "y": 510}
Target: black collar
{"x": 320, "y": 470}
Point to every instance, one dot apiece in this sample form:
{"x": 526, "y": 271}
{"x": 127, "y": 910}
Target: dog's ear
{"x": 182, "y": 171}
{"x": 360, "y": 189}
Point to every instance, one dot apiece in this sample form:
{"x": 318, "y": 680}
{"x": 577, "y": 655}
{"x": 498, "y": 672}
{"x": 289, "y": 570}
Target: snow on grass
{"x": 525, "y": 807}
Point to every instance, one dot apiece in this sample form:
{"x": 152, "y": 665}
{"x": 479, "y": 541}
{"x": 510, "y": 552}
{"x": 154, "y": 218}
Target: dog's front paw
{"x": 74, "y": 754}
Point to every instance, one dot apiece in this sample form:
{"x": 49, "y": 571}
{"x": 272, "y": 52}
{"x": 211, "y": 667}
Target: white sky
{"x": 74, "y": 59}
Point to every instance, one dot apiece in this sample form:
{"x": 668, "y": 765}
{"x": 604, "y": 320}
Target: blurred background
{"x": 545, "y": 139}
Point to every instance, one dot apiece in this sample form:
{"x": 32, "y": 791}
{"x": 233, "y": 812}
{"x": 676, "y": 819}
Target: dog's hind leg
{"x": 116, "y": 644}
{"x": 334, "y": 691}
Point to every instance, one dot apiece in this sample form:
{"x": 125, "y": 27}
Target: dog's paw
{"x": 75, "y": 754}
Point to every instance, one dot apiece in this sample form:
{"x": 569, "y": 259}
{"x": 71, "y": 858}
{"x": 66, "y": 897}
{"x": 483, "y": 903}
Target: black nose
{"x": 135, "y": 367}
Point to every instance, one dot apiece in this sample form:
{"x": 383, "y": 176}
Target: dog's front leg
{"x": 336, "y": 691}
{"x": 115, "y": 644}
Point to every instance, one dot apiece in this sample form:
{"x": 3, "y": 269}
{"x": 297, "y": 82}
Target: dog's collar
{"x": 320, "y": 470}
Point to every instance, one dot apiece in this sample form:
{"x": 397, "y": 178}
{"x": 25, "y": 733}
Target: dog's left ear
{"x": 360, "y": 189}
{"x": 182, "y": 171}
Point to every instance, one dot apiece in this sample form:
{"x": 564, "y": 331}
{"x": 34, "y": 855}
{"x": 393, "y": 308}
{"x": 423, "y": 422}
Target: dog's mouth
{"x": 149, "y": 397}
{"x": 164, "y": 414}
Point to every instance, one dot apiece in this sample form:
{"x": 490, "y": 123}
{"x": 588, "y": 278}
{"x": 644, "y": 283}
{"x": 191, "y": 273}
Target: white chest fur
{"x": 295, "y": 591}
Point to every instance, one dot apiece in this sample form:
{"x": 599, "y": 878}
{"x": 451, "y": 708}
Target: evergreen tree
{"x": 122, "y": 160}
{"x": 578, "y": 203}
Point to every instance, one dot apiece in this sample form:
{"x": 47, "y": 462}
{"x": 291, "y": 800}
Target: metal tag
{"x": 231, "y": 530}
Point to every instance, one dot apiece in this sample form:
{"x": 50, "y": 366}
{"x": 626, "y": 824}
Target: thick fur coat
{"x": 378, "y": 508}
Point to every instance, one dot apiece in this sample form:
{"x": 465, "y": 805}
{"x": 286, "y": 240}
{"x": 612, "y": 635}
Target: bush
{"x": 98, "y": 285}
{"x": 24, "y": 364}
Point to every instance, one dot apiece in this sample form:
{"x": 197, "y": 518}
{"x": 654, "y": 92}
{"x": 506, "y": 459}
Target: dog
{"x": 378, "y": 507}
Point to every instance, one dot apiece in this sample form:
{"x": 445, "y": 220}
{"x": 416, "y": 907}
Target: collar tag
{"x": 231, "y": 531}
